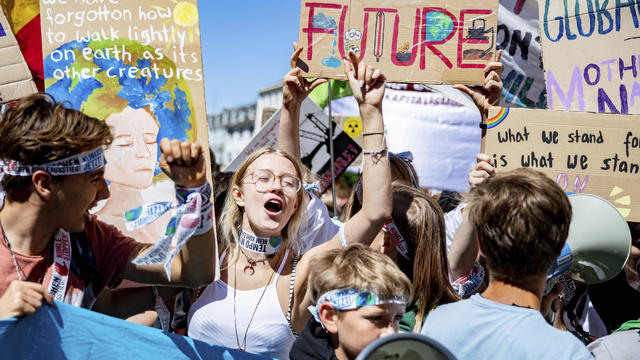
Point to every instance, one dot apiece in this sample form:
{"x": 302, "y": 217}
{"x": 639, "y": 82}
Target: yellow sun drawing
{"x": 185, "y": 14}
{"x": 622, "y": 200}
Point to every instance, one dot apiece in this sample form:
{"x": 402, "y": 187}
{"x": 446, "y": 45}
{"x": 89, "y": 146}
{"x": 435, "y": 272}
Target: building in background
{"x": 230, "y": 131}
{"x": 269, "y": 100}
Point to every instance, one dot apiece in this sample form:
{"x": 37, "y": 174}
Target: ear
{"x": 329, "y": 318}
{"x": 238, "y": 196}
{"x": 388, "y": 244}
{"x": 42, "y": 183}
{"x": 480, "y": 247}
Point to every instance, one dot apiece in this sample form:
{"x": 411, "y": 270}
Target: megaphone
{"x": 599, "y": 242}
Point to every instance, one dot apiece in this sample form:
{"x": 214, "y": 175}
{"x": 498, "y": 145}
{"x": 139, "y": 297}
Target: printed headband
{"x": 75, "y": 164}
{"x": 401, "y": 245}
{"x": 350, "y": 299}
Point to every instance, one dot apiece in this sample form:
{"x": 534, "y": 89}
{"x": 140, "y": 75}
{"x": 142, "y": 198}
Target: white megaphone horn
{"x": 599, "y": 242}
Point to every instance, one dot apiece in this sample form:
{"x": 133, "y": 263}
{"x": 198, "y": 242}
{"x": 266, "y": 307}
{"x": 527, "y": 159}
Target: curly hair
{"x": 38, "y": 130}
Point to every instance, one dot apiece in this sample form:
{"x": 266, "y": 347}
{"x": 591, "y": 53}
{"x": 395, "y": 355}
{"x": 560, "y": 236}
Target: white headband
{"x": 350, "y": 299}
{"x": 76, "y": 164}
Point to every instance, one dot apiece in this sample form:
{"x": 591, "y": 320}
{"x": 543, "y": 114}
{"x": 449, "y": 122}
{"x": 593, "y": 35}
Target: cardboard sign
{"x": 590, "y": 55}
{"x": 519, "y": 37}
{"x": 137, "y": 65}
{"x": 314, "y": 143}
{"x": 15, "y": 78}
{"x": 430, "y": 41}
{"x": 597, "y": 154}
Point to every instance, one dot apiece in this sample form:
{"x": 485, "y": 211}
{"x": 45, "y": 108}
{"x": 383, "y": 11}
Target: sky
{"x": 246, "y": 46}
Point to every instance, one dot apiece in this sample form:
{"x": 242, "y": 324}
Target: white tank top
{"x": 211, "y": 318}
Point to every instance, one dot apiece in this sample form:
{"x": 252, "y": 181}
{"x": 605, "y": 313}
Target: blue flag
{"x": 68, "y": 332}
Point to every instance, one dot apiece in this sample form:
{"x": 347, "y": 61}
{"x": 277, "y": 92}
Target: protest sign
{"x": 430, "y": 41}
{"x": 314, "y": 143}
{"x": 15, "y": 77}
{"x": 590, "y": 55}
{"x": 68, "y": 332}
{"x": 442, "y": 133}
{"x": 519, "y": 37}
{"x": 597, "y": 154}
{"x": 137, "y": 66}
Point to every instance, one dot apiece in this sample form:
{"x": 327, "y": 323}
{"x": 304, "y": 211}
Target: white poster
{"x": 442, "y": 134}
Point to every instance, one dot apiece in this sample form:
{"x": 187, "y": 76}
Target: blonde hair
{"x": 357, "y": 267}
{"x": 231, "y": 218}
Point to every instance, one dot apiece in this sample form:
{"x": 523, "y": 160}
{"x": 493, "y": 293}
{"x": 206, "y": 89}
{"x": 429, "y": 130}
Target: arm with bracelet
{"x": 192, "y": 262}
{"x": 367, "y": 84}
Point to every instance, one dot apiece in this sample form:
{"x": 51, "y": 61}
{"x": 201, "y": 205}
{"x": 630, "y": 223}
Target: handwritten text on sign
{"x": 592, "y": 153}
{"x": 434, "y": 41}
{"x": 590, "y": 51}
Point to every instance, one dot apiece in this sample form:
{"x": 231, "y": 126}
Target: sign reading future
{"x": 434, "y": 41}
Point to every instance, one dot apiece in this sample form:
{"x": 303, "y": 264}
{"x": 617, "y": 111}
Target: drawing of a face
{"x": 131, "y": 158}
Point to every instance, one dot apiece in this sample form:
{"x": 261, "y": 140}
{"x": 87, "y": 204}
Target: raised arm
{"x": 464, "y": 247}
{"x": 195, "y": 265}
{"x": 294, "y": 90}
{"x": 368, "y": 85}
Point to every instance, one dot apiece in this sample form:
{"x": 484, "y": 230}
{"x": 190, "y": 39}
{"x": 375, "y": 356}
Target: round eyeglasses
{"x": 263, "y": 180}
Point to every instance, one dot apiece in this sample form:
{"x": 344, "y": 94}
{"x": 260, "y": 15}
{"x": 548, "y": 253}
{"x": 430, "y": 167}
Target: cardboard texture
{"x": 590, "y": 153}
{"x": 15, "y": 78}
{"x": 138, "y": 66}
{"x": 314, "y": 143}
{"x": 590, "y": 55}
{"x": 428, "y": 41}
{"x": 518, "y": 35}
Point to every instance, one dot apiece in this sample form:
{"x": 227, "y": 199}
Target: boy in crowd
{"x": 361, "y": 295}
{"x": 522, "y": 221}
{"x": 52, "y": 173}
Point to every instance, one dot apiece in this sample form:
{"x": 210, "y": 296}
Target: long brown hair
{"x": 421, "y": 222}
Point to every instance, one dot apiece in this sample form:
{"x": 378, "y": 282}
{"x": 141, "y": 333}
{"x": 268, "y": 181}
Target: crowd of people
{"x": 469, "y": 272}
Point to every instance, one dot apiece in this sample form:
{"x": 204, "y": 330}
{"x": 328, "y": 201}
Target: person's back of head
{"x": 522, "y": 220}
{"x": 38, "y": 130}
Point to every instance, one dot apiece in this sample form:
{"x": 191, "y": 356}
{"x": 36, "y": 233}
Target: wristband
{"x": 183, "y": 193}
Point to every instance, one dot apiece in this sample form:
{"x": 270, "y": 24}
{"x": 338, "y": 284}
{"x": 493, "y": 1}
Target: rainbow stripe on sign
{"x": 496, "y": 120}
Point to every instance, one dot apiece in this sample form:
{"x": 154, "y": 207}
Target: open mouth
{"x": 273, "y": 206}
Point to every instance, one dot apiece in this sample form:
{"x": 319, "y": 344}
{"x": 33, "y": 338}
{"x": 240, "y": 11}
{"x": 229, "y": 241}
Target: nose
{"x": 140, "y": 147}
{"x": 387, "y": 330}
{"x": 103, "y": 191}
{"x": 276, "y": 185}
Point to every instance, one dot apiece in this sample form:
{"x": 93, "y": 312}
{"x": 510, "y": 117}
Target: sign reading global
{"x": 438, "y": 26}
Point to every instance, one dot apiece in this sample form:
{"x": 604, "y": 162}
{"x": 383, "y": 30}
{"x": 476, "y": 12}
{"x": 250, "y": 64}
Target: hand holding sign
{"x": 489, "y": 94}
{"x": 183, "y": 162}
{"x": 367, "y": 82}
{"x": 294, "y": 87}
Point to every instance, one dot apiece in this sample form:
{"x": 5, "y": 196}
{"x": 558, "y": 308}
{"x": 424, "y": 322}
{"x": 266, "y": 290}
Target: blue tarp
{"x": 68, "y": 332}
